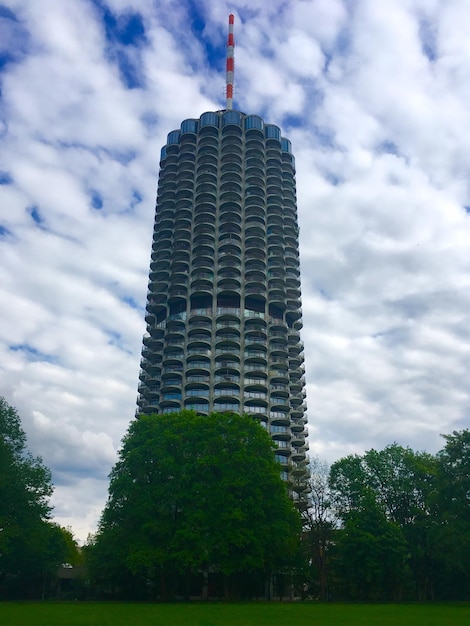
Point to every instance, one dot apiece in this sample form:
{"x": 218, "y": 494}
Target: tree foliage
{"x": 319, "y": 525}
{"x": 30, "y": 545}
{"x": 194, "y": 492}
{"x": 405, "y": 522}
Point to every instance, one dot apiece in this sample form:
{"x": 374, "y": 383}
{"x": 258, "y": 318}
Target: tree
{"x": 319, "y": 524}
{"x": 452, "y": 502}
{"x": 398, "y": 484}
{"x": 189, "y": 493}
{"x": 30, "y": 546}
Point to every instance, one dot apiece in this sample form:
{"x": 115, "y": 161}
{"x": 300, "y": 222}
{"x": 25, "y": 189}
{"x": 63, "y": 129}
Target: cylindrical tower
{"x": 223, "y": 309}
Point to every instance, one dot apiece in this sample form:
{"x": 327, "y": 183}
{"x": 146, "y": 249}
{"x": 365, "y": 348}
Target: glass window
{"x": 272, "y": 132}
{"x": 209, "y": 119}
{"x": 173, "y": 137}
{"x": 253, "y": 121}
{"x": 232, "y": 117}
{"x": 163, "y": 153}
{"x": 286, "y": 145}
{"x": 189, "y": 126}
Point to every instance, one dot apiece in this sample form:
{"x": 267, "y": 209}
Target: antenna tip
{"x": 231, "y": 18}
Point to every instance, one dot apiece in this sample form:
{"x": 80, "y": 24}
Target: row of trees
{"x": 391, "y": 524}
{"x": 31, "y": 545}
{"x": 197, "y": 506}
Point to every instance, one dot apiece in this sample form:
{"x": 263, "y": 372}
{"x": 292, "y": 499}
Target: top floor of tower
{"x": 219, "y": 124}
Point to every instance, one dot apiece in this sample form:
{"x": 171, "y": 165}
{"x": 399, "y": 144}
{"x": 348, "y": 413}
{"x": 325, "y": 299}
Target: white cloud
{"x": 373, "y": 95}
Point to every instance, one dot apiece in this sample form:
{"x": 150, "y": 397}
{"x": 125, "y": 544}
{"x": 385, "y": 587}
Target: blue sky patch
{"x": 332, "y": 178}
{"x": 130, "y": 74}
{"x": 136, "y": 198}
{"x": 96, "y": 201}
{"x": 14, "y": 39}
{"x": 125, "y": 34}
{"x": 36, "y": 215}
{"x": 388, "y": 147}
{"x": 129, "y": 300}
{"x": 4, "y": 231}
{"x": 215, "y": 51}
{"x": 5, "y": 178}
{"x": 32, "y": 353}
{"x": 427, "y": 36}
{"x": 124, "y": 157}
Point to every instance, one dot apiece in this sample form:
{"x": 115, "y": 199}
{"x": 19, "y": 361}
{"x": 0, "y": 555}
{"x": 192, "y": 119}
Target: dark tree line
{"x": 197, "y": 506}
{"x": 391, "y": 524}
{"x": 31, "y": 545}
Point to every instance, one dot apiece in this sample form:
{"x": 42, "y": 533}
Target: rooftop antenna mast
{"x": 230, "y": 63}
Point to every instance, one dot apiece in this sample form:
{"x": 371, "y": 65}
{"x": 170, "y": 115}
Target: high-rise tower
{"x": 223, "y": 308}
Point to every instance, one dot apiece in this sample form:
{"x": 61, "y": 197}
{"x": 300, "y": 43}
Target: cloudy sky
{"x": 375, "y": 96}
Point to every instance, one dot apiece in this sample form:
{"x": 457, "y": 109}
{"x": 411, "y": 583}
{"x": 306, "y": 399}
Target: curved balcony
{"x": 206, "y": 186}
{"x": 293, "y": 283}
{"x": 223, "y": 405}
{"x": 198, "y": 334}
{"x": 229, "y": 273}
{"x": 255, "y": 253}
{"x": 230, "y": 216}
{"x": 227, "y": 373}
{"x": 200, "y": 323}
{"x": 160, "y": 286}
{"x": 228, "y": 286}
{"x": 193, "y": 391}
{"x": 227, "y": 314}
{"x": 152, "y": 342}
{"x": 231, "y": 166}
{"x": 277, "y": 297}
{"x": 279, "y": 376}
{"x": 225, "y": 391}
{"x": 256, "y": 289}
{"x": 231, "y": 177}
{"x": 206, "y": 176}
{"x": 254, "y": 340}
{"x": 298, "y": 455}
{"x": 207, "y": 160}
{"x": 277, "y": 283}
{"x": 255, "y": 393}
{"x": 199, "y": 406}
{"x": 255, "y": 276}
{"x": 208, "y": 141}
{"x": 169, "y": 381}
{"x": 203, "y": 262}
{"x": 229, "y": 158}
{"x": 232, "y": 249}
{"x": 255, "y": 173}
{"x": 278, "y": 352}
{"x": 280, "y": 433}
{"x": 201, "y": 314}
{"x": 194, "y": 363}
{"x": 198, "y": 379}
{"x": 255, "y": 409}
{"x": 232, "y": 323}
{"x": 257, "y": 368}
{"x": 199, "y": 344}
{"x": 204, "y": 226}
{"x": 229, "y": 334}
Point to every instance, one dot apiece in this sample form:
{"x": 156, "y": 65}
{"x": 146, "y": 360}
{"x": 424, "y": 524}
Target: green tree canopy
{"x": 451, "y": 533}
{"x": 30, "y": 544}
{"x": 191, "y": 492}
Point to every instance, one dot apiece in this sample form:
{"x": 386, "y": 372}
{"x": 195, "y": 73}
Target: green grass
{"x": 253, "y": 614}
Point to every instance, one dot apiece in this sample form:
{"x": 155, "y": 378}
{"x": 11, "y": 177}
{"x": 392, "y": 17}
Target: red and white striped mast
{"x": 230, "y": 63}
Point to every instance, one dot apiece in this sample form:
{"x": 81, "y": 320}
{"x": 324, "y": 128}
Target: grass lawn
{"x": 250, "y": 614}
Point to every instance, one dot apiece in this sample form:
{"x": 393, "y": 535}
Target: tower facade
{"x": 223, "y": 308}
